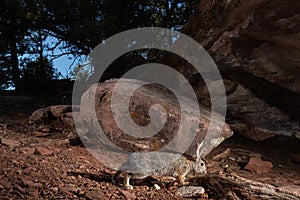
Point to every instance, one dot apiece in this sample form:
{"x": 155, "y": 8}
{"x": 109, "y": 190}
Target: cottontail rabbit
{"x": 142, "y": 165}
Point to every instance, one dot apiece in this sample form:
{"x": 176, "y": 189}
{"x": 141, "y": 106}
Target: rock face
{"x": 143, "y": 98}
{"x": 257, "y": 45}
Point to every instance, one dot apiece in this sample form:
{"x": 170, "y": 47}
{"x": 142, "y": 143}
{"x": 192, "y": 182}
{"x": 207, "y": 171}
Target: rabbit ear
{"x": 198, "y": 153}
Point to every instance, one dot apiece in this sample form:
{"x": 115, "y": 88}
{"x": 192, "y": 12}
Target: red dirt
{"x": 48, "y": 167}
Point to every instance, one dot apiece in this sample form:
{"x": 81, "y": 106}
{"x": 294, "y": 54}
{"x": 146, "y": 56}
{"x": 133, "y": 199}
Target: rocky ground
{"x": 40, "y": 163}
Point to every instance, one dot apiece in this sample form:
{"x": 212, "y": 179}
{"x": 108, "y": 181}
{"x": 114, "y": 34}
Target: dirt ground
{"x": 44, "y": 165}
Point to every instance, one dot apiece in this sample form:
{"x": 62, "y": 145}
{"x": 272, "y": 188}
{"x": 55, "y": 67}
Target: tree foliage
{"x": 12, "y": 31}
{"x": 77, "y": 27}
{"x": 37, "y": 74}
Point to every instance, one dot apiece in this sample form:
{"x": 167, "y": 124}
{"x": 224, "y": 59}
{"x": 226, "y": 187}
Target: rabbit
{"x": 149, "y": 166}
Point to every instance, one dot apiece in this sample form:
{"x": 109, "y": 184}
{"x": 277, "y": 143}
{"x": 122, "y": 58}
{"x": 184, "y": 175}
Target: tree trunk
{"x": 14, "y": 62}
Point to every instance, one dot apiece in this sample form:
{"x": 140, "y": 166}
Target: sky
{"x": 63, "y": 64}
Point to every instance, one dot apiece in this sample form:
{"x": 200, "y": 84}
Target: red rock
{"x": 257, "y": 165}
{"x": 46, "y": 130}
{"x": 68, "y": 190}
{"x": 38, "y": 116}
{"x": 253, "y": 132}
{"x": 19, "y": 188}
{"x": 58, "y": 110}
{"x": 255, "y": 44}
{"x": 43, "y": 151}
{"x": 147, "y": 95}
{"x": 27, "y": 150}
{"x": 53, "y": 113}
{"x": 32, "y": 184}
{"x": 128, "y": 195}
{"x": 63, "y": 143}
{"x": 35, "y": 194}
{"x": 56, "y": 150}
{"x": 41, "y": 134}
{"x": 10, "y": 143}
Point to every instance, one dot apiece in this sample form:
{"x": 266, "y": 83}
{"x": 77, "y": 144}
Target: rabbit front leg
{"x": 126, "y": 182}
{"x": 181, "y": 179}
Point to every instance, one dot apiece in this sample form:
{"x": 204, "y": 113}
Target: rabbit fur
{"x": 160, "y": 164}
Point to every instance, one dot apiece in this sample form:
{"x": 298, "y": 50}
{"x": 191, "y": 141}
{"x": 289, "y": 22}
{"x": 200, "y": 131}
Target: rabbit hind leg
{"x": 126, "y": 182}
{"x": 115, "y": 176}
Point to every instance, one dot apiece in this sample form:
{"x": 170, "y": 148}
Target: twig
{"x": 259, "y": 189}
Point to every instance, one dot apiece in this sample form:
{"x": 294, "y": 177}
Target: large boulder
{"x": 145, "y": 97}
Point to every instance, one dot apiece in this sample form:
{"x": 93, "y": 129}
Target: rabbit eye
{"x": 202, "y": 164}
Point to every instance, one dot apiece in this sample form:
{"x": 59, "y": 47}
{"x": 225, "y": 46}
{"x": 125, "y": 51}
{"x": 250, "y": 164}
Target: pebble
{"x": 190, "y": 191}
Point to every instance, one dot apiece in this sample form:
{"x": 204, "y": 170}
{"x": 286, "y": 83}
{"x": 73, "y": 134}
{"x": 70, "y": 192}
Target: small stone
{"x": 259, "y": 166}
{"x": 35, "y": 185}
{"x": 41, "y": 134}
{"x": 43, "y": 151}
{"x": 231, "y": 158}
{"x": 10, "y": 143}
{"x": 45, "y": 130}
{"x": 81, "y": 192}
{"x": 128, "y": 195}
{"x": 28, "y": 150}
{"x": 157, "y": 186}
{"x": 224, "y": 166}
{"x": 190, "y": 191}
{"x": 172, "y": 187}
{"x": 56, "y": 150}
{"x": 35, "y": 193}
{"x": 68, "y": 189}
{"x": 19, "y": 172}
{"x": 54, "y": 189}
{"x": 63, "y": 143}
{"x": 32, "y": 184}
{"x": 19, "y": 188}
{"x": 16, "y": 163}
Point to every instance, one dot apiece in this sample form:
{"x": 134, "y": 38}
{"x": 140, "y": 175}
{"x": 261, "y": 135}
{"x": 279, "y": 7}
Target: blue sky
{"x": 62, "y": 64}
{"x": 65, "y": 63}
